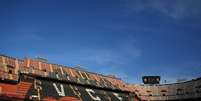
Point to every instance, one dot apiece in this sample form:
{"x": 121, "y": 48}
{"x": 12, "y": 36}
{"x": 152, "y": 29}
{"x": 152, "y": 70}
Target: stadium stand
{"x": 34, "y": 80}
{"x": 185, "y": 91}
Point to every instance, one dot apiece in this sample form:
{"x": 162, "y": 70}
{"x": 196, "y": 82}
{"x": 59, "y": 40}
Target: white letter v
{"x": 60, "y": 92}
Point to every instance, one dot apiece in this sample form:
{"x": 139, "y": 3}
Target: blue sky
{"x": 128, "y": 38}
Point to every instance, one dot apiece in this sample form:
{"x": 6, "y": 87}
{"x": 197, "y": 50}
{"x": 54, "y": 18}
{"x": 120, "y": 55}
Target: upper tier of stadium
{"x": 11, "y": 69}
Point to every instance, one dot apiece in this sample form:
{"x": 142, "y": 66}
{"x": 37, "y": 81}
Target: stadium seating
{"x": 176, "y": 91}
{"x": 38, "y": 68}
{"x": 24, "y": 74}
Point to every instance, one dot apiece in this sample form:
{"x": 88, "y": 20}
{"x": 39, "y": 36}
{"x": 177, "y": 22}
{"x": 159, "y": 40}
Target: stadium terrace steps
{"x": 23, "y": 88}
{"x": 37, "y": 80}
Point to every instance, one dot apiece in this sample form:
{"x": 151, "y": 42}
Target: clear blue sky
{"x": 128, "y": 38}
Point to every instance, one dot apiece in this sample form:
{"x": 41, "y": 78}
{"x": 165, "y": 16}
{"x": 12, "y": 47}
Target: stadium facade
{"x": 36, "y": 80}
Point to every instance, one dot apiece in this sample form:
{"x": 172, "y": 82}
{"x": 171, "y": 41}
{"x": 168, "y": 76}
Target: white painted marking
{"x": 90, "y": 91}
{"x": 60, "y": 92}
{"x": 117, "y": 95}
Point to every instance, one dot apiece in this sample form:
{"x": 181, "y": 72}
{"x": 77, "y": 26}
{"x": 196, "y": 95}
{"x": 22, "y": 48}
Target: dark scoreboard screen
{"x": 151, "y": 79}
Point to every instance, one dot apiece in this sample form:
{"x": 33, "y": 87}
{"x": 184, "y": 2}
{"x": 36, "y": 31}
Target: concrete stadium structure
{"x": 37, "y": 80}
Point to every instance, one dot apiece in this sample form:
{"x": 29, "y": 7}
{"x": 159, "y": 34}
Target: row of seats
{"x": 9, "y": 91}
{"x": 10, "y": 67}
{"x": 186, "y": 90}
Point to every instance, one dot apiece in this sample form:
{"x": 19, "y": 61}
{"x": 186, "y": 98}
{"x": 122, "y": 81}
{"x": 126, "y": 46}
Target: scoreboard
{"x": 151, "y": 79}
